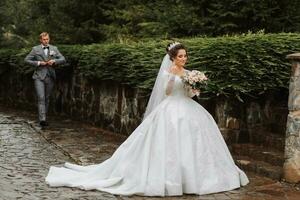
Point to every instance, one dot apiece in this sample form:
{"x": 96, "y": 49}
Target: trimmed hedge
{"x": 249, "y": 64}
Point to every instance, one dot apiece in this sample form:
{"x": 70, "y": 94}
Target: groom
{"x": 44, "y": 57}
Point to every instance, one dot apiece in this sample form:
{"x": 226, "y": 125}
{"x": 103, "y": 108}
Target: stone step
{"x": 259, "y": 153}
{"x": 268, "y": 139}
{"x": 259, "y": 167}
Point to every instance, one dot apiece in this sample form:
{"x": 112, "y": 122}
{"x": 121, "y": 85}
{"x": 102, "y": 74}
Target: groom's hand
{"x": 43, "y": 63}
{"x": 51, "y": 62}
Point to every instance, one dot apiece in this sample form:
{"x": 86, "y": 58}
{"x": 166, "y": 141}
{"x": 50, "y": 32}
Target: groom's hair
{"x": 43, "y": 34}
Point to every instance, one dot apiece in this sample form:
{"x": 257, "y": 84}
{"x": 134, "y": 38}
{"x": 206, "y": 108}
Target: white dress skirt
{"x": 177, "y": 149}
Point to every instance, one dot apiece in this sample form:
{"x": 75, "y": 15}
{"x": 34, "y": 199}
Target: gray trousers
{"x": 43, "y": 90}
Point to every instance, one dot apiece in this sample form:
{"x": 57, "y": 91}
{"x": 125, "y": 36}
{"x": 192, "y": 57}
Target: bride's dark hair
{"x": 172, "y": 49}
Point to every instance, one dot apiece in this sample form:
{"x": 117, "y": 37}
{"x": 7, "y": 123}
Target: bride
{"x": 177, "y": 149}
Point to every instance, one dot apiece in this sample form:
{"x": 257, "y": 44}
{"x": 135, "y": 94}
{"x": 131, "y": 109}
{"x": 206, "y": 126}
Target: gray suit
{"x": 44, "y": 75}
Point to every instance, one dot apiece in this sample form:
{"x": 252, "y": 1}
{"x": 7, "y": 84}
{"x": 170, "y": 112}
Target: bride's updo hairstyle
{"x": 173, "y": 49}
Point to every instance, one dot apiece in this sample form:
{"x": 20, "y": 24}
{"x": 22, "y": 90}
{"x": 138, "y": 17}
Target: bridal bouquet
{"x": 195, "y": 80}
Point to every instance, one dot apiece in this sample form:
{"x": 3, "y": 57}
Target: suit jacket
{"x": 37, "y": 54}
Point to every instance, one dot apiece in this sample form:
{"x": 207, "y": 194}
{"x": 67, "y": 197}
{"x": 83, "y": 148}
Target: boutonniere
{"x": 52, "y": 53}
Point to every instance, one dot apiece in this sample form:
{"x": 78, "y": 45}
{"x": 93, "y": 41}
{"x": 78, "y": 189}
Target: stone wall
{"x": 291, "y": 166}
{"x": 119, "y": 108}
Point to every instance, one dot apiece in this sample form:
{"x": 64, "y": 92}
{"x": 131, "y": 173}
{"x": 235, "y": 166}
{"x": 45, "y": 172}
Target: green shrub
{"x": 239, "y": 65}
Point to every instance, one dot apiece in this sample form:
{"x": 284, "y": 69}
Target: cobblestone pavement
{"x": 27, "y": 152}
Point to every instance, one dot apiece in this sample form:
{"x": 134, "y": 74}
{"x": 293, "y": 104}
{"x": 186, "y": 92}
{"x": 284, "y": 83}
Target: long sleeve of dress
{"x": 170, "y": 79}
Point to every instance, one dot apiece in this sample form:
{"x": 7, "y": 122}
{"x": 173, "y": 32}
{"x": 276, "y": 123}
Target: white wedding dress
{"x": 177, "y": 149}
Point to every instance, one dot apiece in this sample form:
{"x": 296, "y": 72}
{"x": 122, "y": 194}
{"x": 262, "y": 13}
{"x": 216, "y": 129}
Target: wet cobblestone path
{"x": 27, "y": 152}
{"x": 24, "y": 162}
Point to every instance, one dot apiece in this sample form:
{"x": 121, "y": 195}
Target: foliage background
{"x": 94, "y": 21}
{"x": 237, "y": 66}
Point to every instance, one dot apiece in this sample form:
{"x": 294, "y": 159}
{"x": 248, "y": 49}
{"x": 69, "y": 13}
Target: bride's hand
{"x": 196, "y": 92}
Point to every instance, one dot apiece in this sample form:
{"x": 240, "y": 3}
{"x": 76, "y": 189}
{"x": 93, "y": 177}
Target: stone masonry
{"x": 291, "y": 166}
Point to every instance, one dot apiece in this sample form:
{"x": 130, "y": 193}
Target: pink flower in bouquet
{"x": 195, "y": 79}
